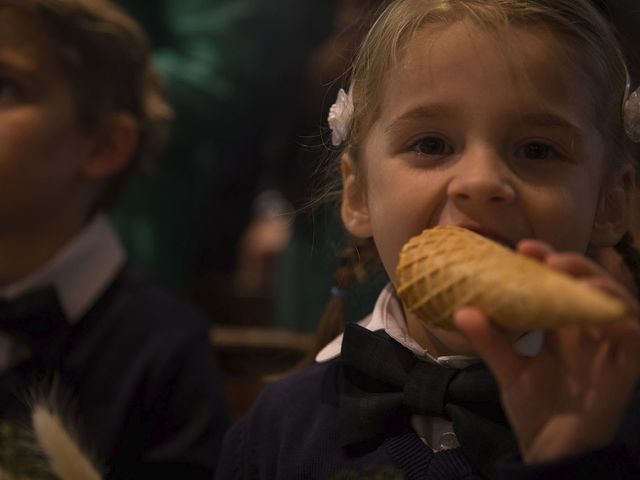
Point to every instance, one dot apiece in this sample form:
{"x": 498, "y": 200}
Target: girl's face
{"x": 468, "y": 135}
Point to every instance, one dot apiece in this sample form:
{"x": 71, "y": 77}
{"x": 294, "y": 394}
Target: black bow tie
{"x": 384, "y": 384}
{"x": 33, "y": 317}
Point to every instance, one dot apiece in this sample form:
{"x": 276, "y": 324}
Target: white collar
{"x": 80, "y": 271}
{"x": 387, "y": 315}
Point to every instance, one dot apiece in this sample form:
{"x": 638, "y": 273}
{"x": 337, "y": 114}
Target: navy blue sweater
{"x": 293, "y": 432}
{"x": 141, "y": 380}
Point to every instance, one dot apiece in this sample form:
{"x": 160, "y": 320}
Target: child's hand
{"x": 570, "y": 398}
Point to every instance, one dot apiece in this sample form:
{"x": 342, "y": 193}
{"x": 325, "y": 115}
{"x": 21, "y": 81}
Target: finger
{"x": 611, "y": 287}
{"x": 616, "y": 366}
{"x": 593, "y": 274}
{"x": 536, "y": 249}
{"x": 574, "y": 348}
{"x": 621, "y": 365}
{"x": 493, "y": 345}
{"x": 586, "y": 352}
{"x": 625, "y": 336}
{"x": 574, "y": 264}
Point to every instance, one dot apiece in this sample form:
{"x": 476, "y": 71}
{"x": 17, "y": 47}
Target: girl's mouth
{"x": 491, "y": 235}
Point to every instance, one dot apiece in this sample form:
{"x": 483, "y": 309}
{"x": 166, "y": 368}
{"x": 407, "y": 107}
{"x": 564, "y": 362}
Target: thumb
{"x": 492, "y": 344}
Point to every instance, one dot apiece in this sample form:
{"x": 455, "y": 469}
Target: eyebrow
{"x": 551, "y": 120}
{"x": 419, "y": 113}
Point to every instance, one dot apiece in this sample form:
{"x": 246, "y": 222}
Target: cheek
{"x": 388, "y": 249}
{"x": 564, "y": 217}
{"x": 27, "y": 135}
{"x": 402, "y": 205}
{"x": 389, "y": 224}
{"x": 38, "y": 158}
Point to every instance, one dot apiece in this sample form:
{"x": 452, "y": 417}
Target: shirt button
{"x": 448, "y": 441}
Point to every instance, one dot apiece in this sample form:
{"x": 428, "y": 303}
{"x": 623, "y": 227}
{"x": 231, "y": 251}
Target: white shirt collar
{"x": 80, "y": 271}
{"x": 387, "y": 315}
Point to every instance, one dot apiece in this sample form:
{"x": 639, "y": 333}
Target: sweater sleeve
{"x": 233, "y": 464}
{"x": 183, "y": 413}
{"x": 194, "y": 407}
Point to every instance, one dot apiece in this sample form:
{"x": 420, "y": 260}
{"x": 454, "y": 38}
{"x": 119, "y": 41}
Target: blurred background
{"x": 221, "y": 218}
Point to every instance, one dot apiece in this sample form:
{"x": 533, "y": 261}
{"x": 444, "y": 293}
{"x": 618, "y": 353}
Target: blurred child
{"x": 79, "y": 105}
{"x": 506, "y": 118}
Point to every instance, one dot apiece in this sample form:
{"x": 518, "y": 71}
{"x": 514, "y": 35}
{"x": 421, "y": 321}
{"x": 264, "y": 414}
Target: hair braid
{"x": 356, "y": 261}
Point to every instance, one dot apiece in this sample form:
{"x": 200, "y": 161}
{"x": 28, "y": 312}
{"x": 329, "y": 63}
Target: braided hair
{"x": 356, "y": 261}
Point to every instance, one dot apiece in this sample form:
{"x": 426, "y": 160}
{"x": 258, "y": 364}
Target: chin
{"x": 450, "y": 342}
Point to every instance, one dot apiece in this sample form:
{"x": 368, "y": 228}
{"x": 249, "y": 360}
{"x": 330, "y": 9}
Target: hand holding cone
{"x": 446, "y": 268}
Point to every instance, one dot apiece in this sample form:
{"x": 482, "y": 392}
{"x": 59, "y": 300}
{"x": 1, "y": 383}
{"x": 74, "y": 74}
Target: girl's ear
{"x": 354, "y": 210}
{"x": 114, "y": 147}
{"x": 613, "y": 215}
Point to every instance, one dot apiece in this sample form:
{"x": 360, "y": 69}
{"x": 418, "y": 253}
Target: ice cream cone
{"x": 446, "y": 268}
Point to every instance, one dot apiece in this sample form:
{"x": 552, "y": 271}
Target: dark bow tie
{"x": 384, "y": 384}
{"x": 33, "y": 317}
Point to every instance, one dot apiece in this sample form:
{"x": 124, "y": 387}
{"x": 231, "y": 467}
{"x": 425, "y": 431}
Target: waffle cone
{"x": 446, "y": 268}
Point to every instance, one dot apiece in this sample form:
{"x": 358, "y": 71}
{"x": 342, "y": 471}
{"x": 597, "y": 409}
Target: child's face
{"x": 42, "y": 148}
{"x": 468, "y": 136}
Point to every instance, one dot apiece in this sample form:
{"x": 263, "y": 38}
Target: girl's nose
{"x": 482, "y": 178}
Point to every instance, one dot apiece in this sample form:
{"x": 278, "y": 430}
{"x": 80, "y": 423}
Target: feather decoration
{"x": 66, "y": 459}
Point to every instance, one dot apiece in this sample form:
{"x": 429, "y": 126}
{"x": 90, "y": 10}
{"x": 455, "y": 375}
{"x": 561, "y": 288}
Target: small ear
{"x": 354, "y": 209}
{"x": 114, "y": 147}
{"x": 613, "y": 215}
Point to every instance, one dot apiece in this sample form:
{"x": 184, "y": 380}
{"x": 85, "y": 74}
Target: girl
{"x": 506, "y": 118}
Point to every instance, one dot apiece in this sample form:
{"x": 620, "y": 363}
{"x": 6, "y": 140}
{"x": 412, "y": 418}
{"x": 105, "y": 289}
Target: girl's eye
{"x": 432, "y": 146}
{"x": 536, "y": 151}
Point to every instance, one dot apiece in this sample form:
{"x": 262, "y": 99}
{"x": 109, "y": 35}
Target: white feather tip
{"x": 66, "y": 459}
